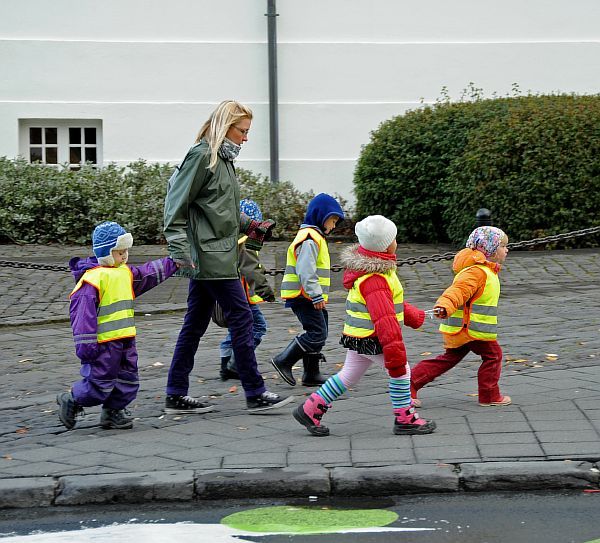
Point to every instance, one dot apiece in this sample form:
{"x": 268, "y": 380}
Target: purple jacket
{"x": 84, "y": 303}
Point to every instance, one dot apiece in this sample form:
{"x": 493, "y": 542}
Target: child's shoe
{"x": 407, "y": 422}
{"x": 504, "y": 400}
{"x": 116, "y": 419}
{"x": 266, "y": 401}
{"x": 68, "y": 409}
{"x": 310, "y": 413}
{"x": 312, "y": 376}
{"x": 285, "y": 360}
{"x": 227, "y": 372}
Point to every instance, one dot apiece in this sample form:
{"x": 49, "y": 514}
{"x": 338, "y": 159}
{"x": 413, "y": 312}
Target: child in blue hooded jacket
{"x": 305, "y": 287}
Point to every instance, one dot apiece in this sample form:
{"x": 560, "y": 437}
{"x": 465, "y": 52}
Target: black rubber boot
{"x": 312, "y": 376}
{"x": 225, "y": 372}
{"x": 284, "y": 361}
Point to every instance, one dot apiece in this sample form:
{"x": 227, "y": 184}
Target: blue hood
{"x": 320, "y": 208}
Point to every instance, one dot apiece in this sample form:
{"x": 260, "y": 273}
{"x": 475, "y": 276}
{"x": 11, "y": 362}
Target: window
{"x": 60, "y": 141}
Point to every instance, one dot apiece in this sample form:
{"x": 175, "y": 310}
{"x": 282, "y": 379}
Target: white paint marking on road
{"x": 168, "y": 533}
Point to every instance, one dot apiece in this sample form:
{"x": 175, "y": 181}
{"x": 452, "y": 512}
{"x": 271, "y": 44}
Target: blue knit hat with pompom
{"x": 251, "y": 208}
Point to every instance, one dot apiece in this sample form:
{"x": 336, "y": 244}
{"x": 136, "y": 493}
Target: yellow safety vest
{"x": 358, "y": 320}
{"x": 480, "y": 319}
{"x": 115, "y": 311}
{"x": 290, "y": 284}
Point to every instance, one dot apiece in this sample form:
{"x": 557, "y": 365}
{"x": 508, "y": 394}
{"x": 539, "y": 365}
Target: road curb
{"x": 189, "y": 485}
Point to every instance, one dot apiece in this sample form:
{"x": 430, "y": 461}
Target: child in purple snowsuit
{"x": 101, "y": 312}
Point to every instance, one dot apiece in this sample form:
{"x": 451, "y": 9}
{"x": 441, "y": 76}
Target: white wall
{"x": 153, "y": 71}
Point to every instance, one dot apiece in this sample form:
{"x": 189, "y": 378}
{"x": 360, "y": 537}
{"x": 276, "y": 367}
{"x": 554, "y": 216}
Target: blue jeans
{"x": 315, "y": 323}
{"x": 259, "y": 329}
{"x": 201, "y": 299}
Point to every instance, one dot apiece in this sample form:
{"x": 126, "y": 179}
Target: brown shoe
{"x": 504, "y": 401}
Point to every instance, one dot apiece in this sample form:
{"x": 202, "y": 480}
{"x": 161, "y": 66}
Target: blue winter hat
{"x": 250, "y": 208}
{"x": 107, "y": 237}
{"x": 320, "y": 208}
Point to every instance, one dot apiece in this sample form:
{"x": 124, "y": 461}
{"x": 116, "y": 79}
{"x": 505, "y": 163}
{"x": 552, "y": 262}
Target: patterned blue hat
{"x": 250, "y": 208}
{"x": 108, "y": 236}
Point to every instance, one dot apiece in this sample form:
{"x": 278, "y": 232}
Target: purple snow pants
{"x": 111, "y": 380}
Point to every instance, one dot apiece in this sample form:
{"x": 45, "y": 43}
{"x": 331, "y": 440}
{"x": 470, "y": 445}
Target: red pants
{"x": 487, "y": 376}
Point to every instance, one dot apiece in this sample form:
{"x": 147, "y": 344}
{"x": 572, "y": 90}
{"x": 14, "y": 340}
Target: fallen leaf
{"x": 471, "y": 394}
{"x": 339, "y": 365}
{"x": 176, "y": 418}
{"x": 552, "y": 354}
{"x": 158, "y": 364}
{"x": 537, "y": 366}
{"x": 233, "y": 389}
{"x": 22, "y": 430}
{"x": 161, "y": 417}
{"x": 242, "y": 428}
{"x": 25, "y": 360}
{"x": 201, "y": 380}
{"x": 7, "y": 457}
{"x": 520, "y": 360}
{"x": 426, "y": 353}
{"x": 292, "y": 330}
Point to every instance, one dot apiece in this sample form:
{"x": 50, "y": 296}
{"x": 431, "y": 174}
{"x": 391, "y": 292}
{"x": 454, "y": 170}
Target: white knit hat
{"x": 375, "y": 233}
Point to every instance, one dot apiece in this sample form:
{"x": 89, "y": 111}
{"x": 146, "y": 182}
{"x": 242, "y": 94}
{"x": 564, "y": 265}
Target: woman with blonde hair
{"x": 202, "y": 223}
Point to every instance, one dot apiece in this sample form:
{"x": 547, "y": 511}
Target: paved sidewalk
{"x": 549, "y": 437}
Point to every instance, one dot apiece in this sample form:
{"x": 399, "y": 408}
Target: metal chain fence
{"x": 336, "y": 267}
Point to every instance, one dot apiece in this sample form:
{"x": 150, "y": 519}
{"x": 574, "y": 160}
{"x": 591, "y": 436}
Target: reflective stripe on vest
{"x": 290, "y": 284}
{"x": 115, "y": 311}
{"x": 253, "y": 298}
{"x": 481, "y": 318}
{"x": 358, "y": 320}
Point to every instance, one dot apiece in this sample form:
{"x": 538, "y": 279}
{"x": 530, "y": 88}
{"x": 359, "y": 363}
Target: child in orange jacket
{"x": 469, "y": 309}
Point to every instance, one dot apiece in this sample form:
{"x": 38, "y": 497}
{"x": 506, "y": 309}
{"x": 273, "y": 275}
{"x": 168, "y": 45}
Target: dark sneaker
{"x": 68, "y": 409}
{"x": 266, "y": 401}
{"x": 117, "y": 419}
{"x": 185, "y": 405}
{"x": 225, "y": 374}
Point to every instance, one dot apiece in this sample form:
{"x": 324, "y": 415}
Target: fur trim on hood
{"x": 353, "y": 260}
{"x": 357, "y": 265}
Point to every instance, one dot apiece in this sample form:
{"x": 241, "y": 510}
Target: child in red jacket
{"x": 375, "y": 308}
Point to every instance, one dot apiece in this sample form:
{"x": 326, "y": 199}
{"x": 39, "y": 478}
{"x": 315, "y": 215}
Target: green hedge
{"x": 40, "y": 204}
{"x": 534, "y": 161}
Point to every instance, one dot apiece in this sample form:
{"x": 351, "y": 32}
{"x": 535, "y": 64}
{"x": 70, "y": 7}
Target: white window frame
{"x": 63, "y": 144}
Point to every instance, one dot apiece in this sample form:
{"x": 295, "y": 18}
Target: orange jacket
{"x": 469, "y": 286}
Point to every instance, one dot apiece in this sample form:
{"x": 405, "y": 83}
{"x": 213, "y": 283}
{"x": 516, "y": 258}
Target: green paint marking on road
{"x": 307, "y": 520}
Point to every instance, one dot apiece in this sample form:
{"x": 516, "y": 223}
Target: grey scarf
{"x": 229, "y": 150}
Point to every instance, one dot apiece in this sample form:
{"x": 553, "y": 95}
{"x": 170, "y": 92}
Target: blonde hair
{"x": 214, "y": 129}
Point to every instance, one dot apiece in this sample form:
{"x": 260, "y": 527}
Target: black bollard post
{"x": 483, "y": 217}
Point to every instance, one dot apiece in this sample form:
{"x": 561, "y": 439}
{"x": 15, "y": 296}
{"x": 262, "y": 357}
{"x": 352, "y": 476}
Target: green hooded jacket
{"x": 202, "y": 216}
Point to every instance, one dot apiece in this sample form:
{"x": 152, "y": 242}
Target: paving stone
{"x": 287, "y": 482}
{"x": 27, "y": 492}
{"x": 527, "y": 475}
{"x": 126, "y": 488}
{"x": 393, "y": 480}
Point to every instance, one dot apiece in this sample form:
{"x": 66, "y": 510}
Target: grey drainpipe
{"x": 273, "y": 106}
